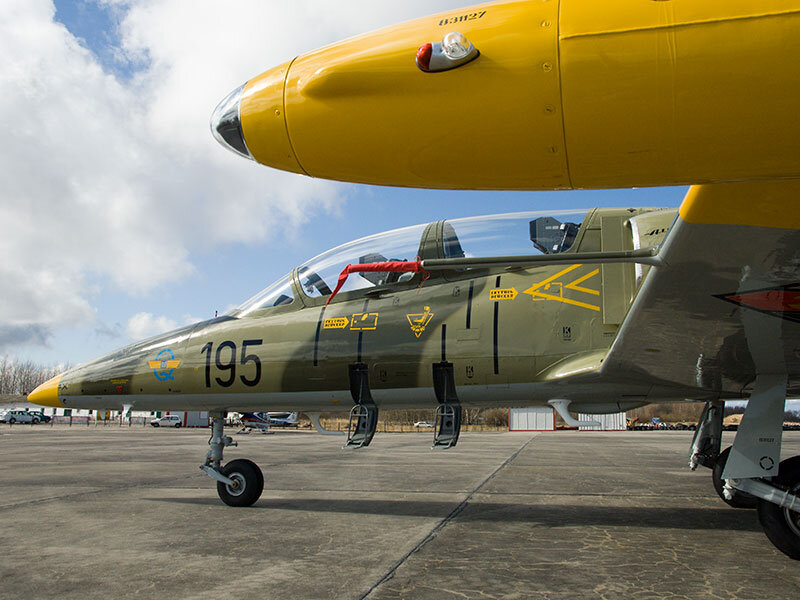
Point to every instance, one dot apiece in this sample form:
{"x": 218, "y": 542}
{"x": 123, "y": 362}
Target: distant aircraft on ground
{"x": 263, "y": 420}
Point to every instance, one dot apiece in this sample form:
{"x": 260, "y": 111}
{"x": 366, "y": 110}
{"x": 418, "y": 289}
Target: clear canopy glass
{"x": 318, "y": 276}
{"x": 512, "y": 234}
{"x": 278, "y": 294}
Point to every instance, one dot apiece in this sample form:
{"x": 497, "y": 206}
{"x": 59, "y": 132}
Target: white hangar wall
{"x": 540, "y": 418}
{"x": 612, "y": 422}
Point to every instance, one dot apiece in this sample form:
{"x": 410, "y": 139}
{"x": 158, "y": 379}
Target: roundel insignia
{"x": 164, "y": 365}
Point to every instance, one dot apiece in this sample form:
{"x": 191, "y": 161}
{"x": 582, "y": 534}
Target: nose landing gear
{"x": 240, "y": 482}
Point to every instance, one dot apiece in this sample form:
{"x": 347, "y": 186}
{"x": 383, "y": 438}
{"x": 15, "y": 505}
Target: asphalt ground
{"x": 113, "y": 512}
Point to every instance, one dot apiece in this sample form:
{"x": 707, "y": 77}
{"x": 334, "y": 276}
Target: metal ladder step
{"x": 447, "y": 420}
{"x": 363, "y": 420}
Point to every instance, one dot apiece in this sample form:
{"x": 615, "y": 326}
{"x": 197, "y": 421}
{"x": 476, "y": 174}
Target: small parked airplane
{"x": 264, "y": 420}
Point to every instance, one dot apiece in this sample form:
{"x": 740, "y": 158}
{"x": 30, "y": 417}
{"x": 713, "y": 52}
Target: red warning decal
{"x": 782, "y": 301}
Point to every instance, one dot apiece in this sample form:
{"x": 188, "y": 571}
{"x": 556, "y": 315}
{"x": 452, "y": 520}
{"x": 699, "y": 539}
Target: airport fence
{"x": 85, "y": 421}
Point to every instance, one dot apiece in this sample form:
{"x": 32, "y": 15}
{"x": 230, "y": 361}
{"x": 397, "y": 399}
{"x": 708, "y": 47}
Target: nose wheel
{"x": 240, "y": 482}
{"x": 247, "y": 483}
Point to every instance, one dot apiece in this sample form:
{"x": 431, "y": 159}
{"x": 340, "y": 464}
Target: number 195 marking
{"x": 225, "y": 363}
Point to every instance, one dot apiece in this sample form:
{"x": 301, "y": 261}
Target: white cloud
{"x": 119, "y": 181}
{"x": 144, "y": 325}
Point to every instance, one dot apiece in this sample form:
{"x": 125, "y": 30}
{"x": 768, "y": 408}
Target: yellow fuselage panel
{"x": 660, "y": 93}
{"x": 569, "y": 93}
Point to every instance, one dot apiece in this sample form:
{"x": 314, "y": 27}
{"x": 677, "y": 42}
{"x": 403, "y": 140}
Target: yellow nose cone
{"x": 47, "y": 393}
{"x": 263, "y": 119}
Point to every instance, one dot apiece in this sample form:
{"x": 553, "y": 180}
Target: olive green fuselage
{"x": 507, "y": 332}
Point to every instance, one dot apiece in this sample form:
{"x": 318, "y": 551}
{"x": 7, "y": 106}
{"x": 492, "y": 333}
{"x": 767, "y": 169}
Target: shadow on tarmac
{"x": 551, "y": 515}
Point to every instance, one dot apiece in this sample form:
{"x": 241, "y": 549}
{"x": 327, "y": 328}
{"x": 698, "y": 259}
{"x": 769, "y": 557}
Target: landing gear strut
{"x": 240, "y": 482}
{"x": 706, "y": 452}
{"x": 752, "y": 465}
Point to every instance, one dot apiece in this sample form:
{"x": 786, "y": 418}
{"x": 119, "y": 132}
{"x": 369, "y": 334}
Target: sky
{"x": 121, "y": 217}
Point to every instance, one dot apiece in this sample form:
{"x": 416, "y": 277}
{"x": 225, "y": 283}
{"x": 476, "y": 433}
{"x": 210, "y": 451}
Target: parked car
{"x": 422, "y": 424}
{"x": 21, "y": 416}
{"x": 167, "y": 421}
{"x": 42, "y": 417}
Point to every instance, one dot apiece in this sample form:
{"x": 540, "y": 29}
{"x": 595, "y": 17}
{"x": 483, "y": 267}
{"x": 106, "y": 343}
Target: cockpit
{"x": 513, "y": 234}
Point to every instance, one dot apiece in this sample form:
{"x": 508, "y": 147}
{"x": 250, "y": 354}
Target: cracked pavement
{"x": 118, "y": 512}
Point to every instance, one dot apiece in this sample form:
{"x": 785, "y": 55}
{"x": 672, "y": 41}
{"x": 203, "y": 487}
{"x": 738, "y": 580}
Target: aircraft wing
{"x": 723, "y": 301}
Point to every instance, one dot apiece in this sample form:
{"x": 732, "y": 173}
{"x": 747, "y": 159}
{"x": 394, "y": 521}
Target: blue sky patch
{"x": 96, "y": 26}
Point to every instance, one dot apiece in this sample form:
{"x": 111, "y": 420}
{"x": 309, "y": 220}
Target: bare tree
{"x": 21, "y": 377}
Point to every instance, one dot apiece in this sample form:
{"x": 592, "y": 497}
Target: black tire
{"x": 35, "y": 420}
{"x": 154, "y": 424}
{"x": 782, "y": 526}
{"x": 250, "y": 479}
{"x": 11, "y": 421}
{"x": 176, "y": 425}
{"x": 739, "y": 499}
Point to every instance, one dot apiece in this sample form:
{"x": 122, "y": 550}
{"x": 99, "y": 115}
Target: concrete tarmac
{"x": 113, "y": 512}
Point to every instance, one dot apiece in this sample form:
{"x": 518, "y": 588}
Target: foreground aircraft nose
{"x": 539, "y": 95}
{"x": 257, "y": 108}
{"x": 371, "y": 110}
{"x": 47, "y": 393}
{"x": 226, "y": 124}
{"x": 264, "y": 124}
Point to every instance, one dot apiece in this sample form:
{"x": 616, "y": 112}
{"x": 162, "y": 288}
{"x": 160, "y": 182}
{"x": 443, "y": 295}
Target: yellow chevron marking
{"x": 538, "y": 291}
{"x": 574, "y": 285}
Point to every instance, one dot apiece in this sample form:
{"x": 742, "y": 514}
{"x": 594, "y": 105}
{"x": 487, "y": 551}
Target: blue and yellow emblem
{"x": 164, "y": 365}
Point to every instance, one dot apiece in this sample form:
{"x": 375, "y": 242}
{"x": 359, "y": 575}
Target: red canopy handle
{"x": 392, "y": 266}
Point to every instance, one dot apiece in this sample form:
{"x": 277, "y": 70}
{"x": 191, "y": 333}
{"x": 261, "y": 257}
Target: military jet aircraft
{"x": 589, "y": 311}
